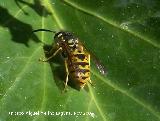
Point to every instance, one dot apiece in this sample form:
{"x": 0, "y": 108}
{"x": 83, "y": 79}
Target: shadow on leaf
{"x": 20, "y": 31}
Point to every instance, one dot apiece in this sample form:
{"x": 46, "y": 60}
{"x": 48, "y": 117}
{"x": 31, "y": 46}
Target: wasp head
{"x": 65, "y": 37}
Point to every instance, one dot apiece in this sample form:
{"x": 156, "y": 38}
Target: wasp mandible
{"x": 76, "y": 57}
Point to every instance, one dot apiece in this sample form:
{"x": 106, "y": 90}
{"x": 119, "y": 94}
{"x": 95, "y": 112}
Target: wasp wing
{"x": 99, "y": 65}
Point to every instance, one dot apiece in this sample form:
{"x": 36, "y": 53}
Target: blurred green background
{"x": 123, "y": 34}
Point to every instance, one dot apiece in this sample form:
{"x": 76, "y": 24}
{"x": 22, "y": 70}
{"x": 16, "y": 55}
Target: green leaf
{"x": 123, "y": 34}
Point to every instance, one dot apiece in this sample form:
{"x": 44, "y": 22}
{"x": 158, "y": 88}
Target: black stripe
{"x": 80, "y": 56}
{"x": 83, "y": 70}
{"x": 80, "y": 70}
{"x": 84, "y": 78}
{"x": 72, "y": 71}
{"x": 83, "y": 64}
{"x": 82, "y": 82}
{"x": 79, "y": 51}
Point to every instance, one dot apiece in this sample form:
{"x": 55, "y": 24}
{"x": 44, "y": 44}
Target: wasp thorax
{"x": 73, "y": 41}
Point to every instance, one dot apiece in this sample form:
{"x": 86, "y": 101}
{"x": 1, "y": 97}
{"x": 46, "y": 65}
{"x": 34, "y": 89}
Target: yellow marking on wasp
{"x": 83, "y": 67}
{"x": 60, "y": 35}
{"x": 76, "y": 41}
{"x": 70, "y": 41}
{"x": 71, "y": 45}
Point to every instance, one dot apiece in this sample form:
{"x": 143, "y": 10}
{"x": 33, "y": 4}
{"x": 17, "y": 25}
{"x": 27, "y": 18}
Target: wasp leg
{"x": 55, "y": 53}
{"x": 67, "y": 74}
{"x": 50, "y": 51}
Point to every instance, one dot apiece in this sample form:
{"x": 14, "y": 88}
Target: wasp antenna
{"x": 47, "y": 30}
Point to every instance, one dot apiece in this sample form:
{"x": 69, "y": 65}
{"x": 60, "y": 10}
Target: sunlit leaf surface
{"x": 123, "y": 34}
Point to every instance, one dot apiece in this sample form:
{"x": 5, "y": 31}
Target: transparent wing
{"x": 99, "y": 65}
{"x": 97, "y": 62}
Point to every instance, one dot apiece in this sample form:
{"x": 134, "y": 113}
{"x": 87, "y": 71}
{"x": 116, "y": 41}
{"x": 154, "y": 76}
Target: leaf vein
{"x": 113, "y": 23}
{"x": 19, "y": 76}
{"x": 138, "y": 101}
{"x": 97, "y": 105}
{"x": 43, "y": 103}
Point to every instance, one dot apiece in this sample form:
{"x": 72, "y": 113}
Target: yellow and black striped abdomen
{"x": 79, "y": 66}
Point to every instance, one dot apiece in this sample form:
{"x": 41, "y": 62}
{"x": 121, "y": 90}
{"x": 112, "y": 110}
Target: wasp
{"x": 76, "y": 57}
